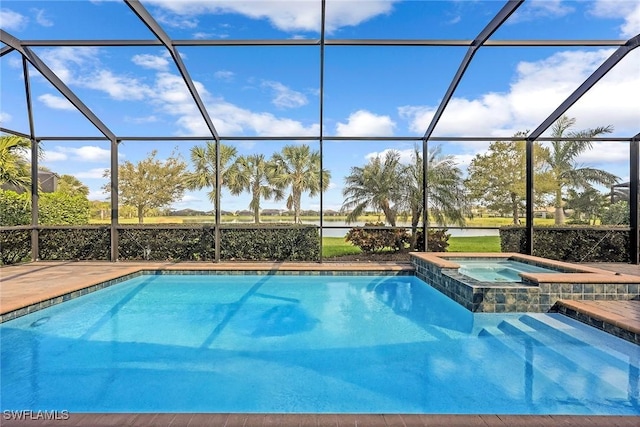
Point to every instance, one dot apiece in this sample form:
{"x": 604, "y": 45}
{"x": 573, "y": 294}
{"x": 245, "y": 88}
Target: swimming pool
{"x": 272, "y": 343}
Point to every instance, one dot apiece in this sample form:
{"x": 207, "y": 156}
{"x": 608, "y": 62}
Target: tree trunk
{"x": 415, "y": 219}
{"x": 515, "y": 208}
{"x": 140, "y": 214}
{"x": 296, "y": 207}
{"x": 559, "y": 212}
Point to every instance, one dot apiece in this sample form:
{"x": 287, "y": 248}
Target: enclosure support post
{"x": 35, "y": 246}
{"x": 217, "y": 212}
{"x": 425, "y": 193}
{"x": 321, "y": 112}
{"x": 634, "y": 172}
{"x": 529, "y": 202}
{"x": 114, "y": 200}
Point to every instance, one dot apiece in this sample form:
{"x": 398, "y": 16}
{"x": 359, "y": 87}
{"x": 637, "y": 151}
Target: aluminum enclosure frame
{"x": 163, "y": 39}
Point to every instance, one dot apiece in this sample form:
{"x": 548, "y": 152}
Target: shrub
{"x": 371, "y": 240}
{"x": 573, "y": 244}
{"x": 15, "y": 209}
{"x": 63, "y": 209}
{"x": 438, "y": 240}
{"x": 274, "y": 243}
{"x": 617, "y": 214}
{"x": 66, "y": 243}
{"x": 53, "y": 209}
{"x": 15, "y": 246}
{"x": 165, "y": 243}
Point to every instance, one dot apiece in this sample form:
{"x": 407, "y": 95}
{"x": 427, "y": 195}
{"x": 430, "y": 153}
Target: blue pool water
{"x": 359, "y": 344}
{"x": 497, "y": 270}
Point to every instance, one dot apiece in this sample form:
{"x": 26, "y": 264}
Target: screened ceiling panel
{"x": 53, "y": 114}
{"x": 527, "y": 88}
{"x": 460, "y": 20}
{"x": 568, "y": 20}
{"x": 221, "y": 20}
{"x": 134, "y": 91}
{"x": 13, "y": 104}
{"x": 613, "y": 101}
{"x": 366, "y": 95}
{"x": 258, "y": 91}
{"x": 71, "y": 19}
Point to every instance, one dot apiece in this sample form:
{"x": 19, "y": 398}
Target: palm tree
{"x": 297, "y": 166}
{"x": 14, "y": 167}
{"x": 377, "y": 185}
{"x": 253, "y": 174}
{"x": 445, "y": 186}
{"x": 562, "y": 161}
{"x": 204, "y": 161}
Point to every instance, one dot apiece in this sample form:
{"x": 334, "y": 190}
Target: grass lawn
{"x": 474, "y": 244}
{"x": 336, "y": 246}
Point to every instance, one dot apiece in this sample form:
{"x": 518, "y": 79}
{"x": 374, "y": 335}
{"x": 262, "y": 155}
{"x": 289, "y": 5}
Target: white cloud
{"x": 12, "y": 21}
{"x": 153, "y": 62}
{"x": 224, "y": 75}
{"x": 53, "y": 156}
{"x": 406, "y": 155}
{"x": 5, "y": 117}
{"x": 41, "y": 19}
{"x": 118, "y": 87}
{"x": 141, "y": 120}
{"x": 65, "y": 60}
{"x": 365, "y": 123}
{"x": 536, "y": 91}
{"x": 285, "y": 97}
{"x": 98, "y": 195}
{"x": 169, "y": 94}
{"x": 536, "y": 9}
{"x": 286, "y": 16}
{"x": 606, "y": 152}
{"x": 56, "y": 102}
{"x": 87, "y": 153}
{"x": 94, "y": 173}
{"x": 627, "y": 10}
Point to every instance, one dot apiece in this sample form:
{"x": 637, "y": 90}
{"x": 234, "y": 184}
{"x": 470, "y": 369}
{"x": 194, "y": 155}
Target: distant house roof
{"x": 47, "y": 180}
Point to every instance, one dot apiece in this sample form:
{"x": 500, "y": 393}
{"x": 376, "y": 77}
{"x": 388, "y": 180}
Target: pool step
{"x": 560, "y": 328}
{"x": 570, "y": 355}
{"x": 559, "y": 359}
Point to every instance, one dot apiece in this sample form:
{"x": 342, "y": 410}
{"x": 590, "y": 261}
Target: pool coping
{"x": 328, "y": 420}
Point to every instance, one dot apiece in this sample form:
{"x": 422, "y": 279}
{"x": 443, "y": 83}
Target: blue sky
{"x": 274, "y": 91}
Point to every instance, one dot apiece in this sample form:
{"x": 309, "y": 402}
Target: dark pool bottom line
{"x": 329, "y": 420}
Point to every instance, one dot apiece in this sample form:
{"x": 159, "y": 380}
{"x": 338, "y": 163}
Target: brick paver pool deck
{"x": 29, "y": 284}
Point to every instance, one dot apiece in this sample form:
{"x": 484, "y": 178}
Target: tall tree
{"x": 589, "y": 203}
{"x": 150, "y": 183}
{"x": 69, "y": 184}
{"x": 254, "y": 174}
{"x": 203, "y": 159}
{"x": 446, "y": 198}
{"x": 298, "y": 167}
{"x": 563, "y": 165}
{"x": 497, "y": 178}
{"x": 14, "y": 166}
{"x": 376, "y": 185}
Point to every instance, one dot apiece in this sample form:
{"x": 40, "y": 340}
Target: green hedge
{"x": 15, "y": 246}
{"x": 68, "y": 243}
{"x": 165, "y": 243}
{"x": 272, "y": 243}
{"x": 573, "y": 244}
